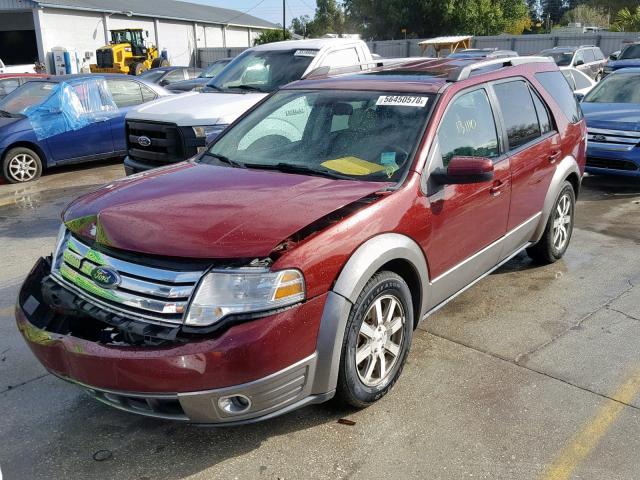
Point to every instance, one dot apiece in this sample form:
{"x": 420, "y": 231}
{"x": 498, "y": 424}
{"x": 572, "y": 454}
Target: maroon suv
{"x": 291, "y": 261}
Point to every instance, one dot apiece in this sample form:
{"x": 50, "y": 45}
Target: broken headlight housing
{"x": 243, "y": 291}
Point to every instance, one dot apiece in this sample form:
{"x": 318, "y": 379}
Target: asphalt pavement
{"x": 534, "y": 373}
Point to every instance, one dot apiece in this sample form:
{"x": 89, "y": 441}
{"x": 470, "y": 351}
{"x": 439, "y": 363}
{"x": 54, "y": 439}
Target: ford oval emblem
{"x": 144, "y": 141}
{"x": 599, "y": 138}
{"x": 106, "y": 277}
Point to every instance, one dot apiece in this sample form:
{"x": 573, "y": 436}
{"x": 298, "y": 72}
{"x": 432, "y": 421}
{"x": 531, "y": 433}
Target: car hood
{"x": 618, "y": 64}
{"x": 612, "y": 116}
{"x": 190, "y": 109}
{"x": 203, "y": 211}
{"x": 6, "y": 121}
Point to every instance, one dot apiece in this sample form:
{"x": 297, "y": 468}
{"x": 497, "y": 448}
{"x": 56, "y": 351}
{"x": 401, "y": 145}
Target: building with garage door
{"x": 31, "y": 29}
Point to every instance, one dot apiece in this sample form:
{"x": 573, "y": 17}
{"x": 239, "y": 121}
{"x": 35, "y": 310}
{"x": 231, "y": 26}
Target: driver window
{"x": 468, "y": 128}
{"x": 579, "y": 58}
{"x": 286, "y": 123}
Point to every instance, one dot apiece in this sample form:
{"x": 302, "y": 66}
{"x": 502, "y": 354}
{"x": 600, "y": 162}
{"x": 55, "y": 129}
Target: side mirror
{"x": 579, "y": 96}
{"x": 579, "y": 62}
{"x": 613, "y": 56}
{"x": 164, "y": 83}
{"x": 462, "y": 170}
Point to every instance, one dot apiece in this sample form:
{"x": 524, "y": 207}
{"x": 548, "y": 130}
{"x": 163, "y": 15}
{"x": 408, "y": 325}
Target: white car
{"x": 580, "y": 83}
{"x": 176, "y": 128}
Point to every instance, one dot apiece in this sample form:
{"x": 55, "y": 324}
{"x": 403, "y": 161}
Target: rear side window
{"x": 558, "y": 88}
{"x": 518, "y": 112}
{"x": 543, "y": 114}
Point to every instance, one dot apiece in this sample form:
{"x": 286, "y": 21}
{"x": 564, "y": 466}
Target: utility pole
{"x": 284, "y": 19}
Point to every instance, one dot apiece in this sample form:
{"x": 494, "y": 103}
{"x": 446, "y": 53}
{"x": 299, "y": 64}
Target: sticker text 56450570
{"x": 402, "y": 100}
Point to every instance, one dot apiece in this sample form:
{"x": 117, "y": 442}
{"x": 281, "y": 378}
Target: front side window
{"x": 339, "y": 134}
{"x": 468, "y": 128}
{"x": 342, "y": 58}
{"x": 617, "y": 88}
{"x": 588, "y": 56}
{"x": 579, "y": 58}
{"x": 598, "y": 54}
{"x": 263, "y": 71}
{"x": 174, "y": 76}
{"x": 518, "y": 112}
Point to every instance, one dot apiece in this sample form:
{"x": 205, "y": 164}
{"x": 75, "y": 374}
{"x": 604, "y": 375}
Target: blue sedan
{"x": 68, "y": 119}
{"x": 612, "y": 111}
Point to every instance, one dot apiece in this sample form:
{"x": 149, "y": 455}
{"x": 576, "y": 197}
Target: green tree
{"x": 627, "y": 20}
{"x": 299, "y": 25}
{"x": 587, "y": 15}
{"x": 270, "y": 36}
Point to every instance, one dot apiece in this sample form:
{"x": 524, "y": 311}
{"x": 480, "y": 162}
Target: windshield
{"x": 153, "y": 75}
{"x": 562, "y": 59}
{"x": 617, "y": 88}
{"x": 338, "y": 134}
{"x": 632, "y": 51}
{"x": 213, "y": 70}
{"x": 31, "y": 93}
{"x": 263, "y": 71}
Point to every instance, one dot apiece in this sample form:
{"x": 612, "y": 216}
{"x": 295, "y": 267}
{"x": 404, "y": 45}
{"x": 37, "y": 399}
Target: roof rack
{"x": 325, "y": 71}
{"x": 465, "y": 72}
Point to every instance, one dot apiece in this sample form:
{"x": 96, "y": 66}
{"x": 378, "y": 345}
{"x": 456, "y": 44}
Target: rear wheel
{"x": 557, "y": 234}
{"x": 21, "y": 165}
{"x": 377, "y": 340}
{"x": 136, "y": 68}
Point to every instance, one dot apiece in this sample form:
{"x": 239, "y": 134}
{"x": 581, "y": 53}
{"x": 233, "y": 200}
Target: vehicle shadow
{"x": 135, "y": 447}
{"x": 604, "y": 186}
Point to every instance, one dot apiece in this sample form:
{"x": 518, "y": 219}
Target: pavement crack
{"x": 539, "y": 372}
{"x": 626, "y": 315}
{"x": 524, "y": 357}
{"x": 11, "y": 388}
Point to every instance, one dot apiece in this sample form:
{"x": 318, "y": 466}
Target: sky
{"x": 270, "y": 10}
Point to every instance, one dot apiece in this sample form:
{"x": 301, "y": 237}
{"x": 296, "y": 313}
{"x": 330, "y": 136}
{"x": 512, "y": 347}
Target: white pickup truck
{"x": 176, "y": 128}
{"x": 28, "y": 68}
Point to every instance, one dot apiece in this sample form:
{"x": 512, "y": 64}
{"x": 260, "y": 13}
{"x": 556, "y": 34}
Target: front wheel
{"x": 136, "y": 68}
{"x": 21, "y": 165}
{"x": 377, "y": 340}
{"x": 557, "y": 234}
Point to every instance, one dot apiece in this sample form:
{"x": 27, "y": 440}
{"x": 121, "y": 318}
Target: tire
{"x": 21, "y": 165}
{"x": 361, "y": 384}
{"x": 159, "y": 62}
{"x": 136, "y": 68}
{"x": 557, "y": 234}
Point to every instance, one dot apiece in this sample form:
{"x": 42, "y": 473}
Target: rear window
{"x": 558, "y": 88}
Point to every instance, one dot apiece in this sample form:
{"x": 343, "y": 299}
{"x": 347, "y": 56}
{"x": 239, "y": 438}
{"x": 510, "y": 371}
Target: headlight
{"x": 209, "y": 132}
{"x": 57, "y": 253}
{"x": 249, "y": 290}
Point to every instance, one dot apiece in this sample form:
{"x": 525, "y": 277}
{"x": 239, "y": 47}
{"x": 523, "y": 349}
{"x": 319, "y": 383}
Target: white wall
{"x": 237, "y": 37}
{"x": 214, "y": 36}
{"x": 177, "y": 38}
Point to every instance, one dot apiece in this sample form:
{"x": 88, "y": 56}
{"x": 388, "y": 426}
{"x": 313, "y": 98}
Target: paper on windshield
{"x": 403, "y": 101}
{"x": 353, "y": 166}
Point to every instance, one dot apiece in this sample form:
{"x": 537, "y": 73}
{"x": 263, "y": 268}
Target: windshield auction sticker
{"x": 402, "y": 101}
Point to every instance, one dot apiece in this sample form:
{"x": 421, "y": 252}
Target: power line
{"x": 245, "y": 12}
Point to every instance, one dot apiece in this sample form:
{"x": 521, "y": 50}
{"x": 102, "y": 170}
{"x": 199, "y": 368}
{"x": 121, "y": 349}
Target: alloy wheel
{"x": 380, "y": 340}
{"x": 562, "y": 222}
{"x": 23, "y": 167}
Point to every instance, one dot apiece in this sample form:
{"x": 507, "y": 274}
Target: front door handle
{"x": 554, "y": 156}
{"x": 496, "y": 189}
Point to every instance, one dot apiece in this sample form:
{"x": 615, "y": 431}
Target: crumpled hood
{"x": 204, "y": 211}
{"x": 612, "y": 116}
{"x": 194, "y": 108}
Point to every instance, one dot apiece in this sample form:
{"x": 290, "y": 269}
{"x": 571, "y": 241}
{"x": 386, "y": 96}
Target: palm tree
{"x": 627, "y": 20}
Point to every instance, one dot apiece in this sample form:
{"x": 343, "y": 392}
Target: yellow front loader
{"x": 127, "y": 53}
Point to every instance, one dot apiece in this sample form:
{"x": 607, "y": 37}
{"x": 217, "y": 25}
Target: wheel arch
{"x": 31, "y": 146}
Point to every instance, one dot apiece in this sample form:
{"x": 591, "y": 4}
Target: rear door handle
{"x": 554, "y": 156}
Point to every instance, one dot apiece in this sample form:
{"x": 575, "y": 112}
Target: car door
{"x": 92, "y": 140}
{"x": 469, "y": 220}
{"x": 533, "y": 147}
{"x": 127, "y": 94}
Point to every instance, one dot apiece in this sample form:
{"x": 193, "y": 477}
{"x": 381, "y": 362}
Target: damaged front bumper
{"x": 251, "y": 371}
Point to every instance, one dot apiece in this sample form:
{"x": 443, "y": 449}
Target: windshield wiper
{"x": 293, "y": 168}
{"x": 248, "y": 88}
{"x": 212, "y": 87}
{"x": 227, "y": 160}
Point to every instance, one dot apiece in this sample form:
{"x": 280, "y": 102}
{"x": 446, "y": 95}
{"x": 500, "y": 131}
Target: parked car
{"x": 55, "y": 120}
{"x": 612, "y": 110}
{"x": 164, "y": 76}
{"x": 483, "y": 53}
{"x": 629, "y": 57}
{"x": 292, "y": 260}
{"x": 10, "y": 81}
{"x": 200, "y": 81}
{"x": 179, "y": 127}
{"x": 580, "y": 83}
{"x": 589, "y": 59}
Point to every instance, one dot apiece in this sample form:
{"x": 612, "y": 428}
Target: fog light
{"x": 234, "y": 404}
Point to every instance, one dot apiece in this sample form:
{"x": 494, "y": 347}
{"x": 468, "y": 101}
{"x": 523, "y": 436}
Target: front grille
{"x": 617, "y": 140}
{"x": 164, "y": 143}
{"x": 144, "y": 292}
{"x": 611, "y": 164}
{"x": 104, "y": 58}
